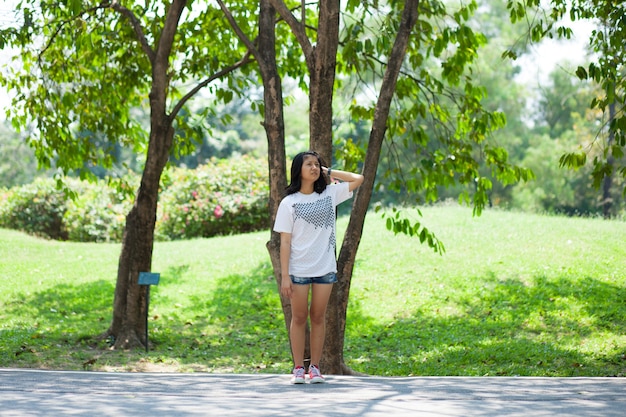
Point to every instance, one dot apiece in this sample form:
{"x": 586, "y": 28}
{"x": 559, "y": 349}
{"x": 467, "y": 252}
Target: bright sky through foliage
{"x": 536, "y": 65}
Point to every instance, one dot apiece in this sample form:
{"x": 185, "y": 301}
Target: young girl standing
{"x": 306, "y": 223}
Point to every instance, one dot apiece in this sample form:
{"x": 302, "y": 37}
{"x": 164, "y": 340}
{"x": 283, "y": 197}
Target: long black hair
{"x": 296, "y": 172}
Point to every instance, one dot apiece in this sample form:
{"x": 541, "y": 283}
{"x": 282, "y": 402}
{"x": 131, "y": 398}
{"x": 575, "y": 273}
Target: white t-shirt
{"x": 310, "y": 218}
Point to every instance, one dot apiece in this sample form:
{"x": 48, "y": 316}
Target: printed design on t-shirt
{"x": 319, "y": 213}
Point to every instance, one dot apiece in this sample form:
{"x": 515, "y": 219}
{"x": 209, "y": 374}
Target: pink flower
{"x": 218, "y": 212}
{"x": 194, "y": 194}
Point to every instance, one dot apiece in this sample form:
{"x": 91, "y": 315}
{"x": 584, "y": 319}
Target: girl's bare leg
{"x": 319, "y": 301}
{"x": 297, "y": 330}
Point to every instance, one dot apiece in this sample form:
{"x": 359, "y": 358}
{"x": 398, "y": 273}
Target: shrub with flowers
{"x": 220, "y": 198}
{"x": 37, "y": 208}
{"x": 97, "y": 214}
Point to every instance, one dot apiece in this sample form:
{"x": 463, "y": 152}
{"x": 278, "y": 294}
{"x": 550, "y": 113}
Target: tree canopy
{"x": 606, "y": 70}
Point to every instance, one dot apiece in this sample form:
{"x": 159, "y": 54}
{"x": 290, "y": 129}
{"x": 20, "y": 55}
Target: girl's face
{"x": 310, "y": 168}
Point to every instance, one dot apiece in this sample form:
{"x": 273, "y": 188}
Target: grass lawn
{"x": 514, "y": 294}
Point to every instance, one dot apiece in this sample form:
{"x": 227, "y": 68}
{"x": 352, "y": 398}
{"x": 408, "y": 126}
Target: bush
{"x": 37, "y": 208}
{"x": 221, "y": 198}
{"x": 97, "y": 214}
{"x": 225, "y": 197}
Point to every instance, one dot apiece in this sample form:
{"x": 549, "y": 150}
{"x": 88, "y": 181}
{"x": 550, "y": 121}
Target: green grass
{"x": 514, "y": 294}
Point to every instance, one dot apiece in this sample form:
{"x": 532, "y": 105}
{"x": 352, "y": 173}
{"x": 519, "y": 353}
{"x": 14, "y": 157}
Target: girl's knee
{"x": 318, "y": 319}
{"x": 299, "y": 319}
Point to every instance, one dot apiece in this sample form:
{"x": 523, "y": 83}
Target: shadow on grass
{"x": 239, "y": 323}
{"x": 548, "y": 327}
{"x": 553, "y": 327}
{"x": 36, "y": 324}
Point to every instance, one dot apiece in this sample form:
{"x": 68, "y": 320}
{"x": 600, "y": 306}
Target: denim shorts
{"x": 329, "y": 278}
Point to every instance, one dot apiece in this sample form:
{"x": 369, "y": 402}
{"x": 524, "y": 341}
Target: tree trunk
{"x": 129, "y": 304}
{"x": 321, "y": 62}
{"x": 338, "y": 306}
{"x": 321, "y": 65}
{"x": 274, "y": 125}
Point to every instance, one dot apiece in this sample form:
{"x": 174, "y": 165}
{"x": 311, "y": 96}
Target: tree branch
{"x": 243, "y": 61}
{"x": 67, "y": 21}
{"x": 242, "y": 36}
{"x": 170, "y": 28}
{"x": 298, "y": 28}
{"x": 136, "y": 24}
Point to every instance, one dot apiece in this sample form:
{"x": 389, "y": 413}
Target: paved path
{"x": 58, "y": 393}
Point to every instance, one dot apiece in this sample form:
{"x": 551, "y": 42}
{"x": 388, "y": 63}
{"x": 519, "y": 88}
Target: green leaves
{"x": 573, "y": 160}
{"x": 607, "y": 42}
{"x": 82, "y": 87}
{"x": 438, "y": 132}
{"x": 398, "y": 223}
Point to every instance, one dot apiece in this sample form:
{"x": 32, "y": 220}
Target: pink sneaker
{"x": 315, "y": 376}
{"x": 298, "y": 375}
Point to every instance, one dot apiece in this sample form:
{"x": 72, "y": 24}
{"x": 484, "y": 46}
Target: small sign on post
{"x": 148, "y": 278}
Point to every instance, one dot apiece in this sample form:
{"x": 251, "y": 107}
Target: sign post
{"x": 148, "y": 279}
